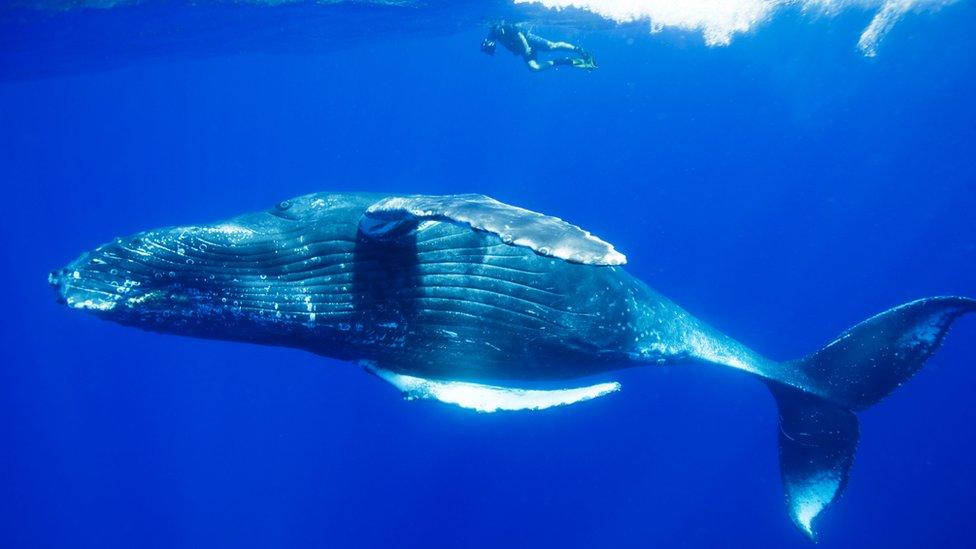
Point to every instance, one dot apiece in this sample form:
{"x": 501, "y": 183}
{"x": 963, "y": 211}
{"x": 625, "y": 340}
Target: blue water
{"x": 782, "y": 188}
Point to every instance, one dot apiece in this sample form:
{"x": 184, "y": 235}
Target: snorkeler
{"x": 528, "y": 45}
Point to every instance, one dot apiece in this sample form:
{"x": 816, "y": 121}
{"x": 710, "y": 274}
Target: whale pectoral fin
{"x": 548, "y": 236}
{"x": 489, "y": 398}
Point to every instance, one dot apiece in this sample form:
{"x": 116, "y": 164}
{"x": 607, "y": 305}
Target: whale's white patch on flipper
{"x": 548, "y": 236}
{"x": 490, "y": 398}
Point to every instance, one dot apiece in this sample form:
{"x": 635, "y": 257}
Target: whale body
{"x": 467, "y": 300}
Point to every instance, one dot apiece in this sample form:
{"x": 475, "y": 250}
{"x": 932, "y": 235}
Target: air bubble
{"x": 172, "y": 274}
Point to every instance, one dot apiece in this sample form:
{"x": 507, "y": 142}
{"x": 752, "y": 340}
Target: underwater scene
{"x": 488, "y": 273}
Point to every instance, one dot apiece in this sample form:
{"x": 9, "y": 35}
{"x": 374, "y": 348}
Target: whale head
{"x": 174, "y": 279}
{"x": 272, "y": 276}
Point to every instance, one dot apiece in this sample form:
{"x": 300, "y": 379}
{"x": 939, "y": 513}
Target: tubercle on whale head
{"x": 95, "y": 283}
{"x": 195, "y": 280}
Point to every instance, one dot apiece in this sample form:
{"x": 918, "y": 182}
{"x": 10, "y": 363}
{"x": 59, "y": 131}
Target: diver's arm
{"x": 526, "y": 48}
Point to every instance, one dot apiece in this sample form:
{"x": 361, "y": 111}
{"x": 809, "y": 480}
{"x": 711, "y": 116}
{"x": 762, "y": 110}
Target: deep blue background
{"x": 783, "y": 188}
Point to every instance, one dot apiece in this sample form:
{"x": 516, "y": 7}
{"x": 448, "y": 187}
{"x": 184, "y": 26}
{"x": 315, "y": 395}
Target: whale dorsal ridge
{"x": 546, "y": 235}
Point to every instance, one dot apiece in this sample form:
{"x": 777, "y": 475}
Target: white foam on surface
{"x": 490, "y": 398}
{"x": 720, "y": 20}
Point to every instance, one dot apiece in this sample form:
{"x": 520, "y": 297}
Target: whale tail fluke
{"x": 817, "y": 441}
{"x": 818, "y": 428}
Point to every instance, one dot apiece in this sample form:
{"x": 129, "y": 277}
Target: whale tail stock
{"x": 818, "y": 428}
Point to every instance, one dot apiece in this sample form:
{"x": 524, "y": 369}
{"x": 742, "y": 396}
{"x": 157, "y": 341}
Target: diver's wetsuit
{"x": 528, "y": 45}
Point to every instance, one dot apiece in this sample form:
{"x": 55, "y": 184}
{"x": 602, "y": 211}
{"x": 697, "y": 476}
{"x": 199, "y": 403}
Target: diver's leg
{"x": 563, "y": 46}
{"x": 580, "y": 63}
{"x": 536, "y": 66}
{"x": 539, "y": 43}
{"x": 536, "y": 43}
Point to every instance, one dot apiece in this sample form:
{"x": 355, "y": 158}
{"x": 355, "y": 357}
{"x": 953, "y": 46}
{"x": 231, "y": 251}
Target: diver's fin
{"x": 818, "y": 429}
{"x": 548, "y": 236}
{"x": 489, "y": 398}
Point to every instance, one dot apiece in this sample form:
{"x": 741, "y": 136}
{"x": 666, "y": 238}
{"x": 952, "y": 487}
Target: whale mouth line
{"x": 81, "y": 293}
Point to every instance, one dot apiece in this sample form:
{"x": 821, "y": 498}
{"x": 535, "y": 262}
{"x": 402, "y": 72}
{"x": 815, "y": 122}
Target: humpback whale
{"x": 466, "y": 300}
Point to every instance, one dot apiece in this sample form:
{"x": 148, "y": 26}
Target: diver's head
{"x": 488, "y": 46}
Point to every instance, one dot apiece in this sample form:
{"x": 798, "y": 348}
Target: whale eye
{"x": 284, "y": 205}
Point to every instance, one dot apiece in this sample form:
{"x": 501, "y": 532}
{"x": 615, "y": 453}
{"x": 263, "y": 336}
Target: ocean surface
{"x": 783, "y": 170}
